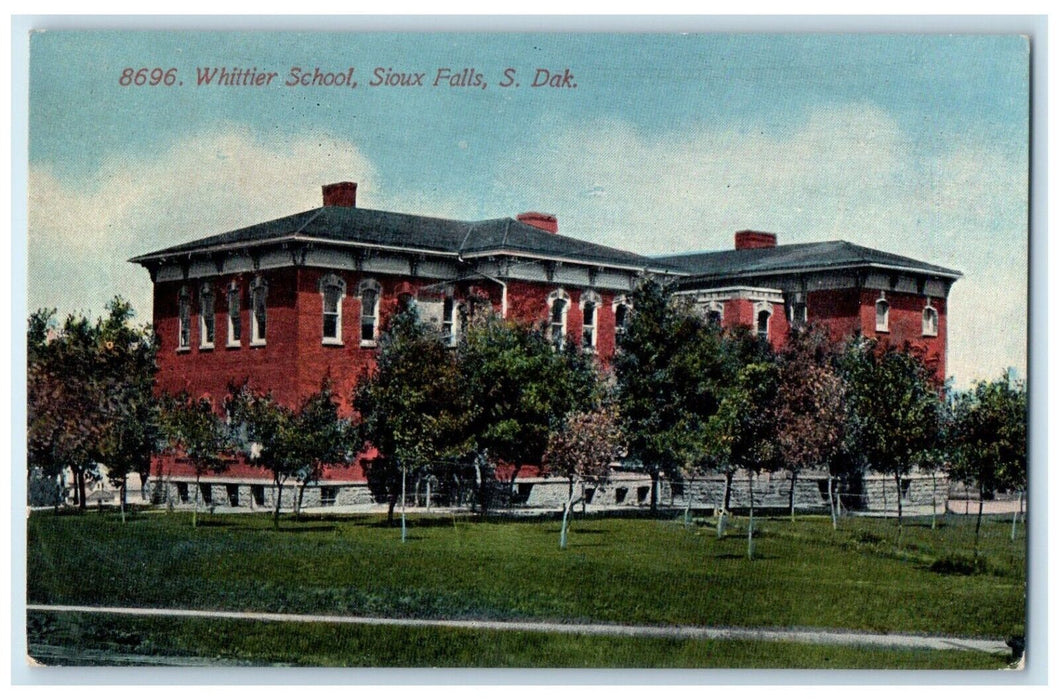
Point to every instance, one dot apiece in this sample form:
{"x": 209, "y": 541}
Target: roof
{"x": 794, "y": 258}
{"x": 391, "y": 230}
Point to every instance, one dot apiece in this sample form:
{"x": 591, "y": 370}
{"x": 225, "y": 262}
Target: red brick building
{"x": 283, "y": 303}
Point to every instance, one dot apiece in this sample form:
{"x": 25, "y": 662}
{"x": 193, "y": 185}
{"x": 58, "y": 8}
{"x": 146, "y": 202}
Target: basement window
{"x": 930, "y": 320}
{"x": 207, "y": 317}
{"x": 333, "y": 290}
{"x": 235, "y": 321}
{"x": 259, "y": 312}
{"x": 369, "y": 312}
{"x": 184, "y": 320}
{"x": 328, "y": 495}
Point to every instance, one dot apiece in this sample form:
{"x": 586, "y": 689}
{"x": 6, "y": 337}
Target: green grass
{"x": 616, "y": 570}
{"x": 76, "y": 639}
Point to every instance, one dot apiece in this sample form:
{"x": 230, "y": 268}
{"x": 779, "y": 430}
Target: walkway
{"x": 850, "y": 638}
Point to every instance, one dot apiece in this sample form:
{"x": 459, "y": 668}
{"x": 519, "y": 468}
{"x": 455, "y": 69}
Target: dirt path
{"x": 850, "y": 638}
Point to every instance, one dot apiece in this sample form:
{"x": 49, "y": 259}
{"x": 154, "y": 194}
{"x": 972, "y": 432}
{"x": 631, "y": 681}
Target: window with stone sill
{"x": 207, "y": 317}
{"x": 622, "y": 312}
{"x": 258, "y": 312}
{"x": 369, "y": 293}
{"x": 558, "y": 306}
{"x": 235, "y": 321}
{"x": 762, "y": 329}
{"x": 882, "y": 315}
{"x": 590, "y": 303}
{"x": 184, "y": 320}
{"x": 332, "y": 291}
{"x": 930, "y": 321}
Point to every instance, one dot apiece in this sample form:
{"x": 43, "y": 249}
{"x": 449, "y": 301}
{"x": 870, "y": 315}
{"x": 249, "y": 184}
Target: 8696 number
{"x": 148, "y": 76}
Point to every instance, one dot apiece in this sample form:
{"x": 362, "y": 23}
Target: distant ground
{"x": 634, "y": 571}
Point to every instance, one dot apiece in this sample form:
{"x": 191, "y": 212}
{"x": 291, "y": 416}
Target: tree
{"x": 743, "y": 430}
{"x": 321, "y": 437}
{"x": 582, "y": 451}
{"x": 412, "y": 405}
{"x": 519, "y": 389}
{"x": 895, "y": 410}
{"x": 664, "y": 388}
{"x": 194, "y": 429}
{"x": 989, "y": 439}
{"x": 810, "y": 407}
{"x": 89, "y": 395}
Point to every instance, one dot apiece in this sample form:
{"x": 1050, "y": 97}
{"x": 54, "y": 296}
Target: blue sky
{"x": 916, "y": 144}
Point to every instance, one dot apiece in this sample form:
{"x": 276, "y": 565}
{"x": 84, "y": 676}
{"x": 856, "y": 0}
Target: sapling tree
{"x": 193, "y": 429}
{"x": 582, "y": 452}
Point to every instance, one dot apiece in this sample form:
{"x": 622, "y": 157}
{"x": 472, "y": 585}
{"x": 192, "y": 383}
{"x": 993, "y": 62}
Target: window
{"x": 590, "y": 303}
{"x": 369, "y": 312}
{"x": 184, "y": 320}
{"x": 333, "y": 290}
{"x": 882, "y": 315}
{"x": 799, "y": 312}
{"x": 714, "y": 314}
{"x": 207, "y": 316}
{"x": 930, "y": 320}
{"x": 235, "y": 321}
{"x": 558, "y": 305}
{"x": 258, "y": 312}
{"x": 233, "y": 494}
{"x": 763, "y": 317}
{"x": 449, "y": 321}
{"x": 622, "y": 310}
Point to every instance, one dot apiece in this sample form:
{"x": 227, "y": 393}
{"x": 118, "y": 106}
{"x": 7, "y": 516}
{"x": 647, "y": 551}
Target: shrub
{"x": 959, "y": 564}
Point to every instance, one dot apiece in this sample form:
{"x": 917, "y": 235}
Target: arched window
{"x": 235, "y": 321}
{"x": 332, "y": 290}
{"x": 930, "y": 320}
{"x": 882, "y": 314}
{"x": 258, "y": 311}
{"x": 207, "y": 316}
{"x": 184, "y": 319}
{"x": 763, "y": 317}
{"x": 558, "y": 306}
{"x": 590, "y": 303}
{"x": 622, "y": 313}
{"x": 369, "y": 293}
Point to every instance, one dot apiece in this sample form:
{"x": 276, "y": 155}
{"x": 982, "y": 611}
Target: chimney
{"x": 754, "y": 239}
{"x": 545, "y": 222}
{"x": 340, "y": 194}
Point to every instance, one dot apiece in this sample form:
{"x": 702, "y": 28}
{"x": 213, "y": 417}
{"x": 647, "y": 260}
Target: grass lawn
{"x": 615, "y": 570}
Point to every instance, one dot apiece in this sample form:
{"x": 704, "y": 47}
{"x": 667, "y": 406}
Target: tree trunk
{"x": 279, "y": 499}
{"x": 60, "y": 490}
{"x": 428, "y": 495}
{"x": 195, "y": 510}
{"x": 121, "y": 499}
{"x": 1015, "y": 517}
{"x": 721, "y": 520}
{"x": 750, "y": 526}
{"x": 900, "y": 531}
{"x": 404, "y": 504}
{"x": 831, "y": 501}
{"x": 978, "y": 520}
{"x": 933, "y": 500}
{"x": 794, "y": 480}
{"x": 654, "y": 490}
{"x": 81, "y": 496}
{"x": 687, "y": 502}
{"x": 298, "y": 503}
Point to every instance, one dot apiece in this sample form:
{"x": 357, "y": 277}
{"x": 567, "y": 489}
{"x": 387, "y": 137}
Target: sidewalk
{"x": 807, "y": 636}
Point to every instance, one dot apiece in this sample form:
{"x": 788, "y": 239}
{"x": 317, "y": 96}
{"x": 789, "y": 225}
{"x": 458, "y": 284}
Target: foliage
{"x": 412, "y": 406}
{"x": 290, "y": 443}
{"x": 519, "y": 388}
{"x": 810, "y": 406}
{"x": 895, "y": 409}
{"x": 89, "y": 395}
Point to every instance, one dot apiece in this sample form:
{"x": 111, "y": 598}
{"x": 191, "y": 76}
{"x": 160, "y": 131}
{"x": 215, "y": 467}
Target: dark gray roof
{"x": 794, "y": 258}
{"x": 409, "y": 231}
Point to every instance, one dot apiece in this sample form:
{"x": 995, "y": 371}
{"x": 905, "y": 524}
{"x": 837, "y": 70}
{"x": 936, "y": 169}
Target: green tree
{"x": 810, "y": 407}
{"x": 665, "y": 371}
{"x": 89, "y": 395}
{"x": 582, "y": 452}
{"x": 412, "y": 406}
{"x": 895, "y": 410}
{"x": 989, "y": 439}
{"x": 192, "y": 428}
{"x": 519, "y": 388}
{"x": 742, "y": 433}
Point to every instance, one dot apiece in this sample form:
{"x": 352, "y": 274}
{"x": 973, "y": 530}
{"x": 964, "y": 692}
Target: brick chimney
{"x": 754, "y": 239}
{"x": 545, "y": 222}
{"x": 340, "y": 194}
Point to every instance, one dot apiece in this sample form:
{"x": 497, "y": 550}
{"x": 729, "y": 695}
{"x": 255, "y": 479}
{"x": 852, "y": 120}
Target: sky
{"x": 913, "y": 144}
